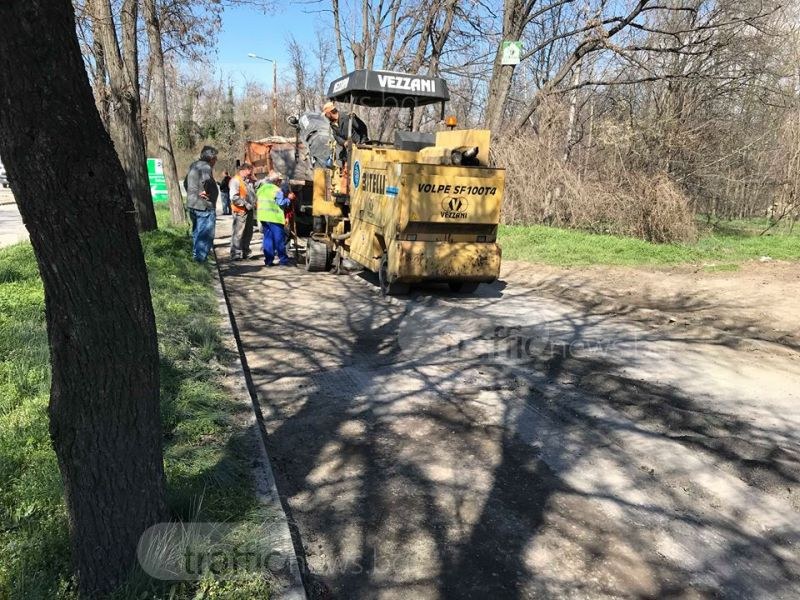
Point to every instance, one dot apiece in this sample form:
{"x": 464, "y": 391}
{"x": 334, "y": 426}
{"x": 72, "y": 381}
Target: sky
{"x": 245, "y": 30}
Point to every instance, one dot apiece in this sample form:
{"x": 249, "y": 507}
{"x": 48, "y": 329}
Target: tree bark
{"x": 160, "y": 113}
{"x": 100, "y": 87}
{"x": 427, "y": 22}
{"x": 146, "y": 104}
{"x": 573, "y": 112}
{"x": 337, "y": 34}
{"x": 366, "y": 39}
{"x": 515, "y": 15}
{"x": 125, "y": 109}
{"x": 72, "y": 194}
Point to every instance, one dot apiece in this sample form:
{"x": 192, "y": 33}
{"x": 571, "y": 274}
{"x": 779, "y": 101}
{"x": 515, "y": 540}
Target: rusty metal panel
{"x": 277, "y": 155}
{"x": 445, "y": 261}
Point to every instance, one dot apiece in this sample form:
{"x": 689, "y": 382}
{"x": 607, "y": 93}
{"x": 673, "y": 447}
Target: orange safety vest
{"x": 242, "y": 194}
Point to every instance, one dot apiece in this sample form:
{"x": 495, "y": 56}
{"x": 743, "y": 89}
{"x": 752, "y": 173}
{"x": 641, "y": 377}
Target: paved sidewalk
{"x": 287, "y": 584}
{"x": 6, "y": 196}
{"x": 12, "y": 230}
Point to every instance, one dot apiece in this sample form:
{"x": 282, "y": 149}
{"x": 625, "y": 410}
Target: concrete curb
{"x": 276, "y": 525}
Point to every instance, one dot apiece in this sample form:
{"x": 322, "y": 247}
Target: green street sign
{"x": 512, "y": 52}
{"x": 158, "y": 184}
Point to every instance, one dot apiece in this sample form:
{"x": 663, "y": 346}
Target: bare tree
{"x": 161, "y": 120}
{"x": 559, "y": 35}
{"x": 337, "y": 29}
{"x": 297, "y": 57}
{"x": 323, "y": 54}
{"x": 517, "y": 14}
{"x": 407, "y": 35}
{"x": 122, "y": 65}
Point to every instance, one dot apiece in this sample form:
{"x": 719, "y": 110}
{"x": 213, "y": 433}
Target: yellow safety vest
{"x": 267, "y": 210}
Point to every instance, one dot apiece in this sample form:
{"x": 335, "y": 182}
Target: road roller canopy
{"x": 388, "y": 89}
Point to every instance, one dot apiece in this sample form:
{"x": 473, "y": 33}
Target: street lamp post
{"x": 274, "y": 90}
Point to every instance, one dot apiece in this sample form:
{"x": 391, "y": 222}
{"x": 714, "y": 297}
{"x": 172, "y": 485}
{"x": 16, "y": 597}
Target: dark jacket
{"x": 223, "y": 185}
{"x": 359, "y": 134}
{"x": 199, "y": 179}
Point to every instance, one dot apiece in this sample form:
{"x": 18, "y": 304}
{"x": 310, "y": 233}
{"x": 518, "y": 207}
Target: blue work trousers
{"x": 203, "y": 226}
{"x": 274, "y": 242}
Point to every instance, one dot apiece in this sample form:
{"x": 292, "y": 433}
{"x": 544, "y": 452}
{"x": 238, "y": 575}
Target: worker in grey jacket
{"x": 243, "y": 203}
{"x": 202, "y": 192}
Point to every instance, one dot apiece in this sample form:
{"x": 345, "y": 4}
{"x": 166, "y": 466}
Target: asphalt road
{"x": 514, "y": 445}
{"x": 11, "y": 228}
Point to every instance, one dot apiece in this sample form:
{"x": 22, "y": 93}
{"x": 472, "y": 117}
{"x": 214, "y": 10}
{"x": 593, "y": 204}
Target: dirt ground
{"x": 560, "y": 434}
{"x": 759, "y": 300}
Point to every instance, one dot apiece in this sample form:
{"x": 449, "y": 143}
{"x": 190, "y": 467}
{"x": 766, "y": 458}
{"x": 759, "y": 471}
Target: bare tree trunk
{"x": 366, "y": 41}
{"x": 441, "y": 35}
{"x": 515, "y": 15}
{"x": 160, "y": 114}
{"x": 104, "y": 397}
{"x": 390, "y": 118}
{"x": 499, "y": 87}
{"x": 573, "y": 109}
{"x": 589, "y": 138}
{"x": 145, "y": 96}
{"x": 100, "y": 85}
{"x": 391, "y": 36}
{"x": 125, "y": 109}
{"x": 337, "y": 33}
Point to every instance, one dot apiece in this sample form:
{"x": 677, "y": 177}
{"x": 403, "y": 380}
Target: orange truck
{"x": 289, "y": 157}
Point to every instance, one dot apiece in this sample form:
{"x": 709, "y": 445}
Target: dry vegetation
{"x": 630, "y": 117}
{"x": 697, "y": 113}
{"x": 542, "y": 188}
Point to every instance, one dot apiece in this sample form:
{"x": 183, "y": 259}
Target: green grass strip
{"x": 208, "y": 475}
{"x": 727, "y": 243}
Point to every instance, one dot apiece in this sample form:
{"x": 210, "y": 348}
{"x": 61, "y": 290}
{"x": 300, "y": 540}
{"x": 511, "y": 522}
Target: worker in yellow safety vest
{"x": 270, "y": 205}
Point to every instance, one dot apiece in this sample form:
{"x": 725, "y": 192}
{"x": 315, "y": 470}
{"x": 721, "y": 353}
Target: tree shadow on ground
{"x": 438, "y": 470}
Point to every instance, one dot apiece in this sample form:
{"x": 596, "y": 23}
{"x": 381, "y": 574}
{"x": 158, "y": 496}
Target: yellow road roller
{"x": 423, "y": 207}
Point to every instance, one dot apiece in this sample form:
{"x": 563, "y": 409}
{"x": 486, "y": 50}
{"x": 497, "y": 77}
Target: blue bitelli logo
{"x": 356, "y": 174}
